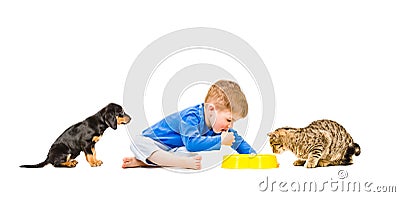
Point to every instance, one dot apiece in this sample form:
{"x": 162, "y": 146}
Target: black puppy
{"x": 82, "y": 137}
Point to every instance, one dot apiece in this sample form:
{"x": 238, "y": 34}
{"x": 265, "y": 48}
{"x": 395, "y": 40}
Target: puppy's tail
{"x": 39, "y": 165}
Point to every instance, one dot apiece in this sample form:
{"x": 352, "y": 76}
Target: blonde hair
{"x": 226, "y": 94}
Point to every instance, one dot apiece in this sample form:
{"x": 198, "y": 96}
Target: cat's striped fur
{"x": 322, "y": 143}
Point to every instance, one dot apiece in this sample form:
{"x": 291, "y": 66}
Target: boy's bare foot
{"x": 192, "y": 162}
{"x": 132, "y": 162}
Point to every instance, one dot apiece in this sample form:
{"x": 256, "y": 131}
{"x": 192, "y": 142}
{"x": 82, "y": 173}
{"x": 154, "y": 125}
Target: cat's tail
{"x": 353, "y": 149}
{"x": 357, "y": 149}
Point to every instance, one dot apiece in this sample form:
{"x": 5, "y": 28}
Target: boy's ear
{"x": 212, "y": 110}
{"x": 210, "y": 107}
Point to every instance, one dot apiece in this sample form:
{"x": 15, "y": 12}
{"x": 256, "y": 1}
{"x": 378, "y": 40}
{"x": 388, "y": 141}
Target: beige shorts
{"x": 143, "y": 147}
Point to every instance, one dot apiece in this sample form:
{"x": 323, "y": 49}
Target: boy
{"x": 203, "y": 127}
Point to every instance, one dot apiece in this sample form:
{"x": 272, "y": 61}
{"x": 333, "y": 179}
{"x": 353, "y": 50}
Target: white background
{"x": 60, "y": 62}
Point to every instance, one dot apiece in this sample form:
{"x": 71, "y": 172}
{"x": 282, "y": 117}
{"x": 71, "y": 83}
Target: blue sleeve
{"x": 202, "y": 143}
{"x": 240, "y": 145}
{"x": 192, "y": 138}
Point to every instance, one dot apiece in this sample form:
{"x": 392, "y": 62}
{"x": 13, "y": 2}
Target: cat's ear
{"x": 270, "y": 134}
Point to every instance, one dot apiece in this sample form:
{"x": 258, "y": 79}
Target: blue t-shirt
{"x": 188, "y": 128}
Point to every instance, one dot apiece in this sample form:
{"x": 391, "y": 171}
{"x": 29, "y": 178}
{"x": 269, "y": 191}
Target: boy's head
{"x": 224, "y": 99}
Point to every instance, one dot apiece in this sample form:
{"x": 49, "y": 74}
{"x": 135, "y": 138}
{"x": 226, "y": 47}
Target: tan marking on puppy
{"x": 123, "y": 120}
{"x": 96, "y": 138}
{"x": 69, "y": 163}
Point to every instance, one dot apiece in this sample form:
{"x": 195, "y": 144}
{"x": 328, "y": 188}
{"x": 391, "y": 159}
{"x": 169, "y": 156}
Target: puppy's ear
{"x": 111, "y": 120}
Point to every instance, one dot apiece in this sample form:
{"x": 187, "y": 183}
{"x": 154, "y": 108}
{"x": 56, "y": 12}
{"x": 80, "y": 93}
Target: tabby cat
{"x": 322, "y": 143}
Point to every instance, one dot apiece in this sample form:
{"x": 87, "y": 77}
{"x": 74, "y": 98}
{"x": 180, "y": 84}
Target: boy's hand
{"x": 227, "y": 138}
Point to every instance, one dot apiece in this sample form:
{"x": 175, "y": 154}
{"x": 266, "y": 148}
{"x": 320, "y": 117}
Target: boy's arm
{"x": 192, "y": 138}
{"x": 201, "y": 143}
{"x": 240, "y": 145}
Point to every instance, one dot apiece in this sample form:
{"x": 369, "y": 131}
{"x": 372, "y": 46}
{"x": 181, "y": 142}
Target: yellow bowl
{"x": 249, "y": 161}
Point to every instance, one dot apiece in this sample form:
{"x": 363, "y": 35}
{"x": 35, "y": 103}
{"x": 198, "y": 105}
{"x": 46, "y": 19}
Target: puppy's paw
{"x": 99, "y": 162}
{"x": 96, "y": 163}
{"x": 73, "y": 162}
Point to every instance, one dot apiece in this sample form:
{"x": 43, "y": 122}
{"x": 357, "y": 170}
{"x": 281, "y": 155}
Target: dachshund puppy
{"x": 82, "y": 137}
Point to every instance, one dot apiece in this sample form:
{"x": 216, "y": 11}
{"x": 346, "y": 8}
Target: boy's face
{"x": 224, "y": 121}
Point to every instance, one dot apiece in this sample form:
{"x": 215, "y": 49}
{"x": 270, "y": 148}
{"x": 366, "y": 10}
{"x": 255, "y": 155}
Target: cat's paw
{"x": 311, "y": 164}
{"x": 299, "y": 162}
{"x": 323, "y": 163}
